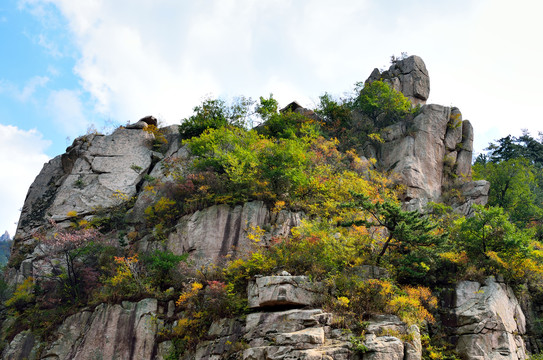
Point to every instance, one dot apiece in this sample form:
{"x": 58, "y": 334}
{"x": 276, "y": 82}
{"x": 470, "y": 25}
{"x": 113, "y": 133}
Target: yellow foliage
{"x": 150, "y": 189}
{"x": 279, "y": 205}
{"x": 120, "y": 195}
{"x": 125, "y": 269}
{"x": 413, "y": 305}
{"x": 459, "y": 258}
{"x": 376, "y": 137}
{"x": 184, "y": 297}
{"x": 24, "y": 294}
{"x": 72, "y": 213}
{"x": 255, "y": 233}
{"x": 343, "y": 301}
{"x": 155, "y": 131}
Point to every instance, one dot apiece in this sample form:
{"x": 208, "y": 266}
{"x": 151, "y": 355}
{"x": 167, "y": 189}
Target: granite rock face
{"x": 132, "y": 330}
{"x": 489, "y": 321}
{"x": 95, "y": 172}
{"x": 282, "y": 290}
{"x": 428, "y": 153}
{"x": 122, "y": 331}
{"x": 215, "y": 232}
{"x": 101, "y": 172}
{"x": 408, "y": 76}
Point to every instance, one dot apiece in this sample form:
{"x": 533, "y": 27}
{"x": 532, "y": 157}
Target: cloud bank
{"x": 22, "y": 157}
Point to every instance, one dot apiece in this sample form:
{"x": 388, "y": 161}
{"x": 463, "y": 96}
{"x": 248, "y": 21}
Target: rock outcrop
{"x": 220, "y": 230}
{"x": 100, "y": 173}
{"x": 123, "y": 331}
{"x": 432, "y": 152}
{"x": 282, "y": 290}
{"x": 132, "y": 330}
{"x": 143, "y": 123}
{"x": 488, "y": 321}
{"x": 408, "y": 76}
{"x": 307, "y": 333}
{"x": 97, "y": 171}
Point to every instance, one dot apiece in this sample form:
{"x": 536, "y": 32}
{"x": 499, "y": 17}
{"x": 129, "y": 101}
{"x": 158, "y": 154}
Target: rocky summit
{"x": 5, "y": 237}
{"x": 135, "y": 305}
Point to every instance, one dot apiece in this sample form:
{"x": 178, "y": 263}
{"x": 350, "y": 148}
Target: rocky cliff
{"x": 102, "y": 174}
{"x": 433, "y": 151}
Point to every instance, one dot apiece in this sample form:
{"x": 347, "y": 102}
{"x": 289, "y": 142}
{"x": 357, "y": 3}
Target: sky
{"x": 70, "y": 66}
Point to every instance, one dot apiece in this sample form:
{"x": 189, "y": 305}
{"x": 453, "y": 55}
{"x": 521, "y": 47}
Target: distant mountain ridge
{"x": 5, "y": 248}
{"x": 5, "y": 237}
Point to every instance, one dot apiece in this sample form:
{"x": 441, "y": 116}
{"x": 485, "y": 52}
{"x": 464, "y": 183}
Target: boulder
{"x": 383, "y": 348}
{"x": 409, "y": 76}
{"x": 473, "y": 192}
{"x": 143, "y": 123}
{"x": 261, "y": 324}
{"x": 267, "y": 291}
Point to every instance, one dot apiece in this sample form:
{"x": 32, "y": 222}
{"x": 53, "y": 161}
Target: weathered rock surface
{"x": 282, "y": 290}
{"x": 428, "y": 152}
{"x": 474, "y": 193}
{"x": 489, "y": 321}
{"x": 132, "y": 331}
{"x": 23, "y": 346}
{"x": 103, "y": 171}
{"x": 211, "y": 234}
{"x": 408, "y": 76}
{"x": 123, "y": 331}
{"x": 95, "y": 172}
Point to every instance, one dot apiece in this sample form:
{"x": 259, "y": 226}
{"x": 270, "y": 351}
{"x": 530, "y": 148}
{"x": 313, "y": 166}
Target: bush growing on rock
{"x": 214, "y": 114}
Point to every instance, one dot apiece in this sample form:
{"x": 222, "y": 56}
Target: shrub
{"x": 127, "y": 282}
{"x": 164, "y": 211}
{"x": 214, "y": 114}
{"x": 158, "y": 138}
{"x": 381, "y": 102}
{"x": 161, "y": 266}
{"x": 23, "y": 295}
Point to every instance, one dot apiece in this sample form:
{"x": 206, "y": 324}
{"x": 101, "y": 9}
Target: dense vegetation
{"x": 353, "y": 217}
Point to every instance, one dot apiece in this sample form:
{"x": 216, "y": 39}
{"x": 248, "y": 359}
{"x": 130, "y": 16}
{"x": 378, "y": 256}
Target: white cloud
{"x": 66, "y": 110}
{"x": 22, "y": 157}
{"x": 50, "y": 46}
{"x": 25, "y": 93}
{"x": 161, "y": 58}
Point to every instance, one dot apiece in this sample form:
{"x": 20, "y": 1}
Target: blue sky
{"x": 67, "y": 65}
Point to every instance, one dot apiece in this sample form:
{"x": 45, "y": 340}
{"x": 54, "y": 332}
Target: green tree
{"x": 214, "y": 114}
{"x": 381, "y": 102}
{"x": 511, "y": 147}
{"x": 489, "y": 230}
{"x": 410, "y": 236}
{"x": 514, "y": 187}
{"x": 267, "y": 107}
